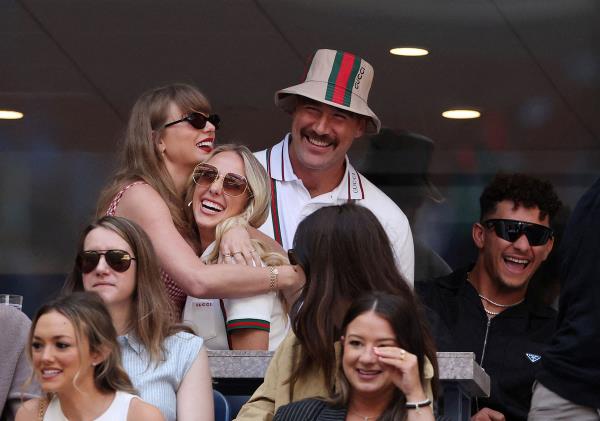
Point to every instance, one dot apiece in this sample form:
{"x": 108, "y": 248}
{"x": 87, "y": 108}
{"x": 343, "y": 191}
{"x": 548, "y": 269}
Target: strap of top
{"x": 274, "y": 207}
{"x": 112, "y": 208}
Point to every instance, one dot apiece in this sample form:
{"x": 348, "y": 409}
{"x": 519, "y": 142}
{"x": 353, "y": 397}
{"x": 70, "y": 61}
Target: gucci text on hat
{"x": 337, "y": 78}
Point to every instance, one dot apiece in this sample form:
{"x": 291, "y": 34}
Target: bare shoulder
{"x": 29, "y": 410}
{"x": 142, "y": 201}
{"x": 143, "y": 411}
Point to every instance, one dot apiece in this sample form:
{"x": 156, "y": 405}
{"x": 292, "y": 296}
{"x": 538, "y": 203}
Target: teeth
{"x": 208, "y": 143}
{"x": 50, "y": 372}
{"x": 515, "y": 260}
{"x": 212, "y": 205}
{"x": 317, "y": 142}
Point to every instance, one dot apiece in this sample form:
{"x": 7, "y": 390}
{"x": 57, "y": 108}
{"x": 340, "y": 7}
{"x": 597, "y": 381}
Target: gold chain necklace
{"x": 362, "y": 416}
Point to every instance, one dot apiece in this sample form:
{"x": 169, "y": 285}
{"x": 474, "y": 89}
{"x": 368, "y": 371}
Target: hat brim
{"x": 285, "y": 99}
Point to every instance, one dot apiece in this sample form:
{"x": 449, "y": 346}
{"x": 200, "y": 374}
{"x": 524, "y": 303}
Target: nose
{"x": 102, "y": 266}
{"x": 368, "y": 356}
{"x": 209, "y": 127}
{"x": 216, "y": 187}
{"x": 47, "y": 353}
{"x": 322, "y": 125}
{"x": 522, "y": 243}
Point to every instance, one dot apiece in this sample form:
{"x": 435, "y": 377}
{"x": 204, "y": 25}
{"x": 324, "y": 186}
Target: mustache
{"x": 322, "y": 138}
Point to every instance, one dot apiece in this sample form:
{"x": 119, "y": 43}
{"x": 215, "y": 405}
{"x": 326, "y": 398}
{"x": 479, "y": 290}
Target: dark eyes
{"x": 36, "y": 346}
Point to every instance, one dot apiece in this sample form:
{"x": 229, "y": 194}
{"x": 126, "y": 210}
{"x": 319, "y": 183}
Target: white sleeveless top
{"x": 117, "y": 411}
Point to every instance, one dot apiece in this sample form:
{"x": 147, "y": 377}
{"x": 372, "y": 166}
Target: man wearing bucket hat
{"x": 309, "y": 168}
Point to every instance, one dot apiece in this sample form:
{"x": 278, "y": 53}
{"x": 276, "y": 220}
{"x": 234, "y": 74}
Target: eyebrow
{"x": 378, "y": 340}
{"x": 53, "y": 337}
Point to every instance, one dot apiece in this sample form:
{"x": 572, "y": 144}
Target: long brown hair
{"x": 151, "y": 318}
{"x": 405, "y": 316}
{"x": 345, "y": 253}
{"x": 140, "y": 157}
{"x": 90, "y": 319}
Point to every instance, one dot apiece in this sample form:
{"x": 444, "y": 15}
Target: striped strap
{"x": 248, "y": 324}
{"x": 343, "y": 72}
{"x": 274, "y": 207}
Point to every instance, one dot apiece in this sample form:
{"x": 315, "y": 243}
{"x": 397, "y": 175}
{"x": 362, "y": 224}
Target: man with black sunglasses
{"x": 309, "y": 168}
{"x": 484, "y": 308}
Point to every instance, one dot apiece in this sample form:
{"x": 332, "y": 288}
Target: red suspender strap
{"x": 274, "y": 209}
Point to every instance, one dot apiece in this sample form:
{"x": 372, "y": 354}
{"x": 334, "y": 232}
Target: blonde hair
{"x": 90, "y": 319}
{"x": 151, "y": 319}
{"x": 140, "y": 157}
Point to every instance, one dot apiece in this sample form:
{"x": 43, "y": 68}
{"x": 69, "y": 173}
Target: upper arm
{"x": 249, "y": 339}
{"x": 194, "y": 397}
{"x": 143, "y": 411}
{"x": 143, "y": 205}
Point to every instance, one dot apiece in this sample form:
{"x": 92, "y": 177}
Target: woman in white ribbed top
{"x": 76, "y": 360}
{"x": 167, "y": 364}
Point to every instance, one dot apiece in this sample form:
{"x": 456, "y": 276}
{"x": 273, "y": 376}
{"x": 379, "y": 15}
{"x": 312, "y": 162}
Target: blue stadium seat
{"x": 222, "y": 410}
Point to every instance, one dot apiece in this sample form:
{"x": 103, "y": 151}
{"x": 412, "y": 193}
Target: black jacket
{"x": 309, "y": 410}
{"x": 571, "y": 364}
{"x": 515, "y": 339}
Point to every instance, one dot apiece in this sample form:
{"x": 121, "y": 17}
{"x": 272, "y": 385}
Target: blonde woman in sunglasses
{"x": 166, "y": 363}
{"x": 232, "y": 185}
{"x": 170, "y": 130}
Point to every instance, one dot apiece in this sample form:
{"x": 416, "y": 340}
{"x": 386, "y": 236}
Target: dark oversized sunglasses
{"x": 233, "y": 184}
{"x": 198, "y": 120}
{"x": 511, "y": 230}
{"x": 118, "y": 260}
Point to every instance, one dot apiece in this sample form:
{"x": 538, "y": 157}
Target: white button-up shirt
{"x": 294, "y": 204}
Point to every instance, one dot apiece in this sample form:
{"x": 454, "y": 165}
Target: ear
{"x": 99, "y": 356}
{"x": 478, "y": 234}
{"x": 361, "y": 127}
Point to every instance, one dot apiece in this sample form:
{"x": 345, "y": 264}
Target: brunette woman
{"x": 170, "y": 130}
{"x": 232, "y": 185}
{"x": 76, "y": 359}
{"x": 345, "y": 254}
{"x": 166, "y": 363}
{"x": 380, "y": 378}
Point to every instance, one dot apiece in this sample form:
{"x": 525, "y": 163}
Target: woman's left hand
{"x": 236, "y": 248}
{"x": 404, "y": 369}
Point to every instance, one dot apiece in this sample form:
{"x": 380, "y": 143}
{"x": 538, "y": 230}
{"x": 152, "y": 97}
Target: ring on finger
{"x": 236, "y": 252}
{"x": 227, "y": 255}
{"x": 402, "y": 354}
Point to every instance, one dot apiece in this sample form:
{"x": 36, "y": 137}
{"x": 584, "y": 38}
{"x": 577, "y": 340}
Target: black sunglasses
{"x": 118, "y": 260}
{"x": 198, "y": 120}
{"x": 511, "y": 230}
{"x": 233, "y": 184}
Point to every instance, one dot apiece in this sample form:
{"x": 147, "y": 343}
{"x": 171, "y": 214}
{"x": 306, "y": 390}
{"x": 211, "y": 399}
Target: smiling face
{"x": 181, "y": 144}
{"x": 210, "y": 204}
{"x": 322, "y": 135}
{"x": 507, "y": 265}
{"x": 115, "y": 288}
{"x": 360, "y": 364}
{"x": 58, "y": 359}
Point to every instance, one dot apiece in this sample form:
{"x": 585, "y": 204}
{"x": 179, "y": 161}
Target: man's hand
{"x": 487, "y": 414}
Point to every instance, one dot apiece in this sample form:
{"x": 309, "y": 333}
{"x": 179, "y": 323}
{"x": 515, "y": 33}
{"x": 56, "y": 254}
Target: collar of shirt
{"x": 132, "y": 342}
{"x": 351, "y": 186}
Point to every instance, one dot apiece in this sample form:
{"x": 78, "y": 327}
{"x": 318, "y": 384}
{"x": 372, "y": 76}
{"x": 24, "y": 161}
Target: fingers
{"x": 247, "y": 257}
{"x": 487, "y": 414}
{"x": 396, "y": 357}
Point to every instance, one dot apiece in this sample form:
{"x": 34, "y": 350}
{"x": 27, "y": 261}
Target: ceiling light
{"x": 409, "y": 51}
{"x": 461, "y": 114}
{"x": 10, "y": 115}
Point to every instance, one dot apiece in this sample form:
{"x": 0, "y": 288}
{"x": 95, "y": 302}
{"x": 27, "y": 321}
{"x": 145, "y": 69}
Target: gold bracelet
{"x": 273, "y": 278}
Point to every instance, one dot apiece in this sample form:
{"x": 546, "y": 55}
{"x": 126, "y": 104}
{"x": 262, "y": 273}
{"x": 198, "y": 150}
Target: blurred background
{"x": 75, "y": 67}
